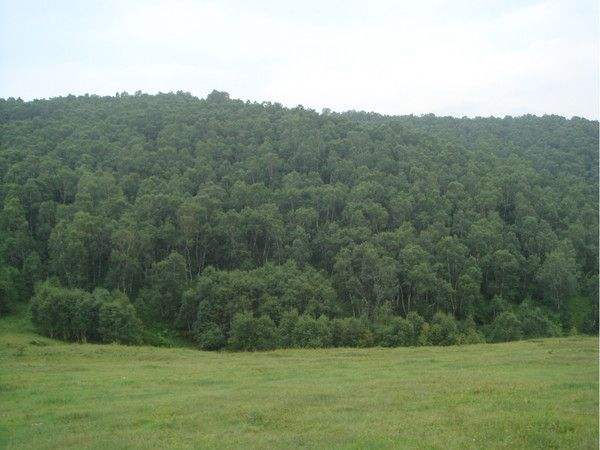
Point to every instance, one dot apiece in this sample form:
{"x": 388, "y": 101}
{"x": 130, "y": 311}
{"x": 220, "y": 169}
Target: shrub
{"x": 61, "y": 313}
{"x": 470, "y": 337}
{"x": 9, "y": 288}
{"x": 211, "y": 337}
{"x": 89, "y": 313}
{"x": 536, "y": 323}
{"x": 312, "y": 333}
{"x": 590, "y": 324}
{"x": 423, "y": 337}
{"x": 77, "y": 315}
{"x": 188, "y": 311}
{"x": 581, "y": 313}
{"x": 351, "y": 332}
{"x": 117, "y": 321}
{"x": 417, "y": 322}
{"x": 587, "y": 307}
{"x": 506, "y": 327}
{"x": 395, "y": 333}
{"x": 286, "y": 328}
{"x": 250, "y": 333}
{"x": 443, "y": 330}
{"x": 469, "y": 334}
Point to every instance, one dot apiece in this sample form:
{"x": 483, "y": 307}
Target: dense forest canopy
{"x": 250, "y": 225}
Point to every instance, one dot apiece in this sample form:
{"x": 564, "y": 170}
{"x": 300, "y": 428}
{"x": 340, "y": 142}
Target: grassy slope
{"x": 538, "y": 394}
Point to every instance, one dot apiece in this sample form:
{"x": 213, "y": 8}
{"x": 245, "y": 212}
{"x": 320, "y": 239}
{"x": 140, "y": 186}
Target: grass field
{"x": 532, "y": 394}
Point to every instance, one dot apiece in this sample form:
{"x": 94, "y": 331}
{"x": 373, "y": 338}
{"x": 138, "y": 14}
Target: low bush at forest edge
{"x": 100, "y": 316}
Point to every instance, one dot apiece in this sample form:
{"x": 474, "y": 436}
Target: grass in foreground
{"x": 532, "y": 394}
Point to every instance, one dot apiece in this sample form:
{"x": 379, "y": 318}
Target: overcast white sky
{"x": 455, "y": 57}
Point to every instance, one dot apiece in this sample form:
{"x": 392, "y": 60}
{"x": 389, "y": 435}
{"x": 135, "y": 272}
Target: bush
{"x": 590, "y": 324}
{"x": 250, "y": 333}
{"x": 312, "y": 333}
{"x": 351, "y": 332}
{"x": 469, "y": 334}
{"x": 536, "y": 323}
{"x": 90, "y": 313}
{"x": 417, "y": 322}
{"x": 9, "y": 289}
{"x": 211, "y": 337}
{"x": 395, "y": 333}
{"x": 443, "y": 330}
{"x": 77, "y": 315}
{"x": 117, "y": 321}
{"x": 581, "y": 313}
{"x": 61, "y": 313}
{"x": 506, "y": 327}
{"x": 470, "y": 337}
{"x": 286, "y": 328}
{"x": 423, "y": 338}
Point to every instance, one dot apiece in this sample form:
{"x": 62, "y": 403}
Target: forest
{"x": 230, "y": 224}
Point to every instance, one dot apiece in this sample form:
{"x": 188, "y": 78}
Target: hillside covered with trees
{"x": 252, "y": 226}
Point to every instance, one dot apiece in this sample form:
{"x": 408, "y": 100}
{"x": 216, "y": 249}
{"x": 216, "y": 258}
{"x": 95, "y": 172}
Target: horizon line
{"x": 324, "y": 110}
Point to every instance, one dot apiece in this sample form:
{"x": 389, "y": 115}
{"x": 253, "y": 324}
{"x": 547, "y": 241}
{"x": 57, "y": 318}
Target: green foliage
{"x": 470, "y": 336}
{"x": 203, "y": 209}
{"x": 16, "y": 240}
{"x": 9, "y": 289}
{"x": 271, "y": 290}
{"x": 76, "y": 315}
{"x": 506, "y": 327}
{"x": 469, "y": 333}
{"x": 60, "y": 312}
{"x": 536, "y": 323}
{"x": 78, "y": 249}
{"x": 250, "y": 333}
{"x": 352, "y": 332}
{"x": 418, "y": 323}
{"x": 287, "y": 325}
{"x": 397, "y": 332}
{"x": 117, "y": 321}
{"x": 161, "y": 301}
{"x": 558, "y": 276}
{"x": 364, "y": 277}
{"x": 211, "y": 337}
{"x": 443, "y": 330}
{"x": 309, "y": 332}
{"x": 522, "y": 322}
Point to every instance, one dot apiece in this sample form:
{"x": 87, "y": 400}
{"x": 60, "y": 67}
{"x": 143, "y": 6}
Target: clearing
{"x": 529, "y": 394}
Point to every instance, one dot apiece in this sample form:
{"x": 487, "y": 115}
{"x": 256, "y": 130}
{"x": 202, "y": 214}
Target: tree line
{"x": 248, "y": 225}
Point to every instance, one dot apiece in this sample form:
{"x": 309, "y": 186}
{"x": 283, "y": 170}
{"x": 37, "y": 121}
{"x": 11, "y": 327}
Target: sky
{"x": 455, "y": 57}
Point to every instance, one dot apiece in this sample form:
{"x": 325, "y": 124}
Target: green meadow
{"x": 528, "y": 394}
